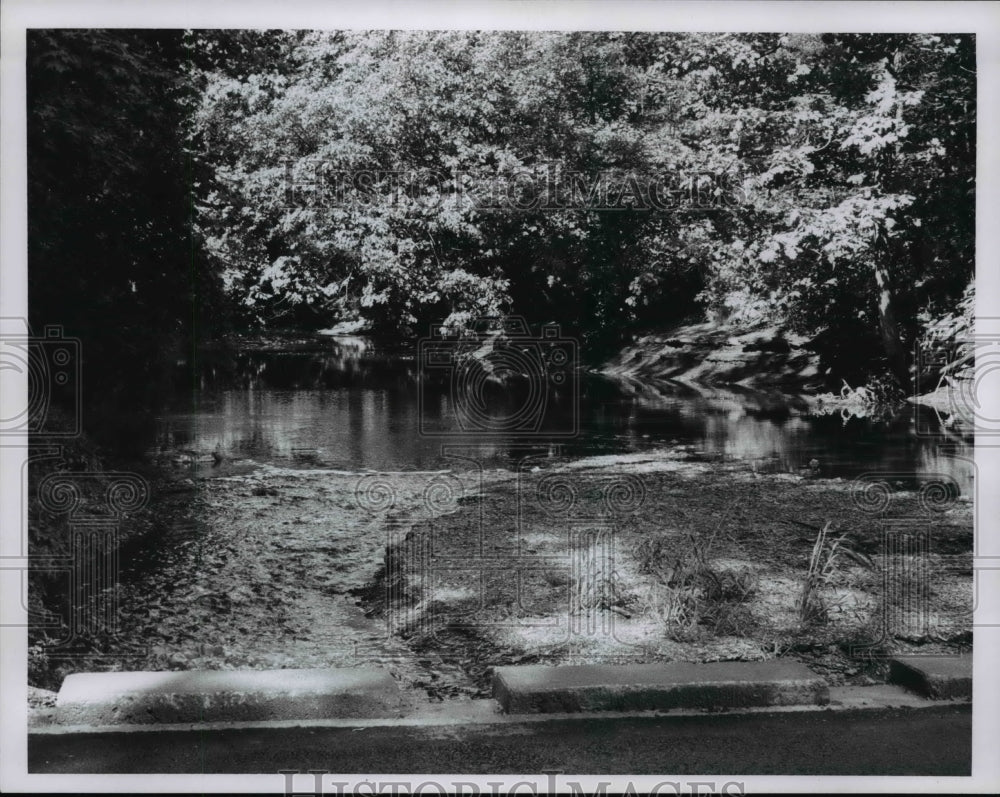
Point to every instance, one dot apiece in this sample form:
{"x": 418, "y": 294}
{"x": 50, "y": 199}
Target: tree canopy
{"x": 611, "y": 182}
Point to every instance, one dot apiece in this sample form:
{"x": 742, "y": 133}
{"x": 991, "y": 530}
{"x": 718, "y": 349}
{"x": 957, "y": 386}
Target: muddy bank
{"x": 441, "y": 575}
{"x": 71, "y": 487}
{"x": 647, "y": 558}
{"x": 266, "y": 570}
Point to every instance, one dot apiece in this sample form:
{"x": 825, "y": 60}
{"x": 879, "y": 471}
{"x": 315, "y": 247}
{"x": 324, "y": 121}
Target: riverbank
{"x": 442, "y": 575}
{"x": 766, "y": 357}
{"x": 263, "y": 570}
{"x": 770, "y": 360}
{"x": 74, "y": 483}
{"x": 664, "y": 558}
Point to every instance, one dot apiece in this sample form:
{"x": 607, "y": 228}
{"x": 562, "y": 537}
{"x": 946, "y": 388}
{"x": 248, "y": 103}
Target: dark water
{"x": 355, "y": 403}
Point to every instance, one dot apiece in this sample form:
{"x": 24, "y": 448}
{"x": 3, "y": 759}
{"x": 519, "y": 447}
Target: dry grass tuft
{"x": 824, "y": 562}
{"x": 688, "y": 594}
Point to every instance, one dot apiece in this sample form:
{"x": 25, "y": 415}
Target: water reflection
{"x": 353, "y": 403}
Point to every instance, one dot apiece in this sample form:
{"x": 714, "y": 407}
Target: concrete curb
{"x": 637, "y": 687}
{"x": 248, "y": 697}
{"x": 937, "y": 677}
{"x": 122, "y": 698}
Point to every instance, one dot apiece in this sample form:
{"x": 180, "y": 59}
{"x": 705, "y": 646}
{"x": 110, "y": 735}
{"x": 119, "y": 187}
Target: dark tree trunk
{"x": 892, "y": 342}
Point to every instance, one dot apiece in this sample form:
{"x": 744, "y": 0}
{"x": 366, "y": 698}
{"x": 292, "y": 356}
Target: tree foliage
{"x": 866, "y": 213}
{"x": 408, "y": 177}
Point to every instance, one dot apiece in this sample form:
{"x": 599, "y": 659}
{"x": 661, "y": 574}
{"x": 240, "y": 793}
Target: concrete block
{"x": 113, "y": 698}
{"x": 639, "y": 687}
{"x": 937, "y": 677}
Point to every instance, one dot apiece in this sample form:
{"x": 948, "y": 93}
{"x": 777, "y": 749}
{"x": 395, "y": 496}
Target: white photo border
{"x": 980, "y": 18}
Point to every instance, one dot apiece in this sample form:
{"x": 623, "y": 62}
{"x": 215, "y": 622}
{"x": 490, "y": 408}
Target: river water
{"x": 354, "y": 403}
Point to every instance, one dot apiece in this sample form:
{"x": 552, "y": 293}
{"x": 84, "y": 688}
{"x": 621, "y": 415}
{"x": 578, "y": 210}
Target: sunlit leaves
{"x": 845, "y": 150}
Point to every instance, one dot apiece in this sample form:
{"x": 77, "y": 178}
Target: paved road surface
{"x": 928, "y": 741}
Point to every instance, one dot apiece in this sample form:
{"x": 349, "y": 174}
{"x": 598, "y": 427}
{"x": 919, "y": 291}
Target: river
{"x": 353, "y": 403}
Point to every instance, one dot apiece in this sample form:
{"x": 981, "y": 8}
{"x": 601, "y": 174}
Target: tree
{"x": 110, "y": 257}
{"x": 437, "y": 150}
{"x": 863, "y": 204}
{"x": 411, "y": 176}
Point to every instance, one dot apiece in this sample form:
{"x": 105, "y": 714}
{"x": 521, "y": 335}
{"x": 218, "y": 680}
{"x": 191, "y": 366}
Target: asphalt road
{"x": 927, "y": 741}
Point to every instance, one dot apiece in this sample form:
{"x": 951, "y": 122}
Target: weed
{"x": 823, "y": 563}
{"x": 597, "y": 583}
{"x": 731, "y": 619}
{"x": 688, "y": 591}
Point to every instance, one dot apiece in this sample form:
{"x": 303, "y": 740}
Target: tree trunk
{"x": 892, "y": 343}
{"x": 895, "y": 350}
